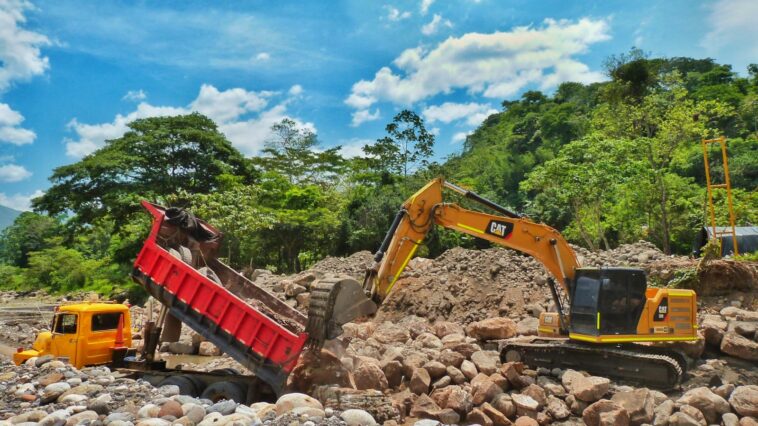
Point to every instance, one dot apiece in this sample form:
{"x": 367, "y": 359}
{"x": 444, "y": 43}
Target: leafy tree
{"x": 29, "y": 232}
{"x": 408, "y": 145}
{"x": 156, "y": 157}
{"x": 294, "y": 153}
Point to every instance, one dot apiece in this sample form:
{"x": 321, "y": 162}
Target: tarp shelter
{"x": 747, "y": 239}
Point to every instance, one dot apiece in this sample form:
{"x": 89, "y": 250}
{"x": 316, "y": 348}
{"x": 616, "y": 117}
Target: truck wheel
{"x": 224, "y": 390}
{"x": 208, "y": 272}
{"x": 185, "y": 384}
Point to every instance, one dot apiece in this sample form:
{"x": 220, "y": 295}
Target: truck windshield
{"x": 107, "y": 321}
{"x": 65, "y": 324}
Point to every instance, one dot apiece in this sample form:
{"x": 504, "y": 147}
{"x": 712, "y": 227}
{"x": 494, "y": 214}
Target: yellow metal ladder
{"x": 726, "y": 185}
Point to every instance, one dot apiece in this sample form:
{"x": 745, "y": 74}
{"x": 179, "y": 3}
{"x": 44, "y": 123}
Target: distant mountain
{"x": 7, "y": 216}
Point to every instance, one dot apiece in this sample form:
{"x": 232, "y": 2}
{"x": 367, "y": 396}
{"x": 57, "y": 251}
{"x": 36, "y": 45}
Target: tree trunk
{"x": 664, "y": 218}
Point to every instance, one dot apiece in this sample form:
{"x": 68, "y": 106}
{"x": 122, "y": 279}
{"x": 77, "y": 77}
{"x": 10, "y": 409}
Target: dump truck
{"x": 177, "y": 266}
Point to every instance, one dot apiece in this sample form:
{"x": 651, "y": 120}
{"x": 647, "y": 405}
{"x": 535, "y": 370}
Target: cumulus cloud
{"x": 354, "y": 147}
{"x": 495, "y": 65}
{"x": 10, "y": 130}
{"x": 20, "y": 56}
{"x": 13, "y": 173}
{"x": 448, "y": 112}
{"x": 263, "y": 56}
{"x": 364, "y": 115}
{"x": 425, "y": 4}
{"x": 21, "y": 202}
{"x": 459, "y": 137}
{"x": 243, "y": 116}
{"x": 732, "y": 30}
{"x": 434, "y": 25}
{"x": 296, "y": 90}
{"x": 394, "y": 14}
{"x": 135, "y": 95}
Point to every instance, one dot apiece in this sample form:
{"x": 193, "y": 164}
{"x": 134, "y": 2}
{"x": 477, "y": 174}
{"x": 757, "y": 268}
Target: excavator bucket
{"x": 334, "y": 302}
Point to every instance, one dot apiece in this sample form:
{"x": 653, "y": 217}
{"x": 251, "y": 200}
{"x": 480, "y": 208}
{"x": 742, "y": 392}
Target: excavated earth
{"x": 425, "y": 359}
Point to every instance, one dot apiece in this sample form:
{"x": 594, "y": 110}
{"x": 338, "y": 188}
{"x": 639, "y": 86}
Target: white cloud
{"x": 459, "y": 137}
{"x": 20, "y": 56}
{"x": 13, "y": 173}
{"x": 474, "y": 113}
{"x": 263, "y": 56}
{"x": 394, "y": 14}
{"x": 10, "y": 132}
{"x": 135, "y": 95}
{"x": 231, "y": 109}
{"x": 296, "y": 90}
{"x": 21, "y": 202}
{"x": 733, "y": 32}
{"x": 425, "y": 6}
{"x": 354, "y": 147}
{"x": 434, "y": 25}
{"x": 495, "y": 65}
{"x": 363, "y": 115}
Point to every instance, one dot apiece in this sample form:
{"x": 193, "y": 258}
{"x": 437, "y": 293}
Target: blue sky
{"x": 73, "y": 73}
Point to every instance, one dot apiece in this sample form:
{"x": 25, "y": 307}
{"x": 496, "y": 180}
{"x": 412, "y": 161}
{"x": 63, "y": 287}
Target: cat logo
{"x": 662, "y": 311}
{"x": 499, "y": 228}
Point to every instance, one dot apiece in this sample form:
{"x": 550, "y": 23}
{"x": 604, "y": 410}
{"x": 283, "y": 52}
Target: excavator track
{"x": 642, "y": 365}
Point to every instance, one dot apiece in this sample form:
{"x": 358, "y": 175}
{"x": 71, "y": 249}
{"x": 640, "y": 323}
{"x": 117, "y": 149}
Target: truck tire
{"x": 208, "y": 272}
{"x": 224, "y": 390}
{"x": 186, "y": 385}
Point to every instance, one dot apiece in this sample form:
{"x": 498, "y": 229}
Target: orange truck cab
{"x": 85, "y": 333}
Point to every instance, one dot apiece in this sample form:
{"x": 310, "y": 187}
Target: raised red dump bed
{"x": 216, "y": 310}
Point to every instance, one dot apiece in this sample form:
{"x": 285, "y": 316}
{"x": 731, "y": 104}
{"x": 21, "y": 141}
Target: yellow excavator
{"x": 601, "y": 317}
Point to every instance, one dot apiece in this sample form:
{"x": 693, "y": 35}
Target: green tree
{"x": 156, "y": 157}
{"x": 29, "y": 232}
{"x": 407, "y": 146}
{"x": 294, "y": 152}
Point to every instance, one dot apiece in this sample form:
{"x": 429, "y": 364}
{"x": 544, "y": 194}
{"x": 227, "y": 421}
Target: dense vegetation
{"x": 606, "y": 163}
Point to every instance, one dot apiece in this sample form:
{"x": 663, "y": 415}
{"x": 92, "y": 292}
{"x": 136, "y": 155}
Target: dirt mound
{"x": 354, "y": 265}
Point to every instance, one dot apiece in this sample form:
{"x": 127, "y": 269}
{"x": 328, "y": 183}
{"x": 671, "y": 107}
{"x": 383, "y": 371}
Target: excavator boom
{"x": 426, "y": 208}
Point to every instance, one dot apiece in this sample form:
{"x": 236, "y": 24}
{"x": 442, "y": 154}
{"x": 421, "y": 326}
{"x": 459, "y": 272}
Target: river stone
{"x": 287, "y": 402}
{"x": 355, "y": 417}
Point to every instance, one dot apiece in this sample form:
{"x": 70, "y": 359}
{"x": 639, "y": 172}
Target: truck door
{"x": 64, "y": 340}
{"x": 99, "y": 337}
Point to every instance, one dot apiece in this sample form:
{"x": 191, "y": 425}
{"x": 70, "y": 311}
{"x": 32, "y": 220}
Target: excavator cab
{"x": 607, "y": 301}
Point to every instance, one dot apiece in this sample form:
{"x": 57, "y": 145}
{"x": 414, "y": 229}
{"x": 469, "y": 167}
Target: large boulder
{"x": 483, "y": 389}
{"x": 605, "y": 412}
{"x": 486, "y": 361}
{"x": 369, "y": 375}
{"x": 537, "y": 394}
{"x": 443, "y": 328}
{"x": 711, "y": 405}
{"x": 585, "y": 388}
{"x": 290, "y": 401}
{"x": 504, "y": 403}
{"x": 424, "y": 407}
{"x": 639, "y": 403}
{"x": 713, "y": 328}
{"x": 744, "y": 400}
{"x": 557, "y": 408}
{"x": 528, "y": 326}
{"x": 420, "y": 381}
{"x": 389, "y": 332}
{"x": 525, "y": 405}
{"x": 497, "y": 417}
{"x": 739, "y": 346}
{"x": 477, "y": 417}
{"x": 662, "y": 412}
{"x": 492, "y": 328}
{"x": 454, "y": 397}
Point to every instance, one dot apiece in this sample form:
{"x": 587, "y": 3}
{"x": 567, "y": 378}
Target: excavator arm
{"x": 427, "y": 208}
{"x": 336, "y": 302}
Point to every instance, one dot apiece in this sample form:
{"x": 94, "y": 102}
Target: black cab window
{"x": 65, "y": 324}
{"x": 107, "y": 321}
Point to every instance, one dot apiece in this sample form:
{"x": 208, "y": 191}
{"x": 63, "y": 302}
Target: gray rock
{"x": 224, "y": 407}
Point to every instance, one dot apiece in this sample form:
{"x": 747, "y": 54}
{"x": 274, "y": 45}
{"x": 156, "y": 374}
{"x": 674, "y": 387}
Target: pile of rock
{"x": 50, "y": 393}
{"x": 444, "y": 373}
{"x": 733, "y": 331}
